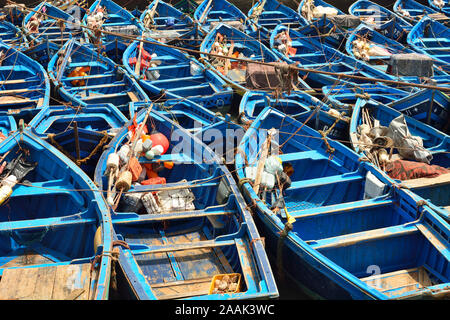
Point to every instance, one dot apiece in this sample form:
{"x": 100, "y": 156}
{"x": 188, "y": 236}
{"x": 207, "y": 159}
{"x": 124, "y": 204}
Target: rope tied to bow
{"x": 105, "y": 138}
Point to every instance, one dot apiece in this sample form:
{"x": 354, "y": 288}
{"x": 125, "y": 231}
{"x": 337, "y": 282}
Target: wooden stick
{"x": 137, "y": 68}
{"x": 137, "y": 134}
{"x": 204, "y": 12}
{"x": 77, "y": 140}
{"x": 228, "y": 61}
{"x": 262, "y": 162}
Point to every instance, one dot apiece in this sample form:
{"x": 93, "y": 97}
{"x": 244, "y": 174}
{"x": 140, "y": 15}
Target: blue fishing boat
{"x": 432, "y": 38}
{"x": 79, "y": 133}
{"x": 329, "y": 231}
{"x": 441, "y": 5}
{"x": 47, "y": 23}
{"x": 346, "y": 95}
{"x": 433, "y": 150}
{"x": 42, "y": 52}
{"x": 84, "y": 77}
{"x": 224, "y": 39}
{"x": 428, "y": 106}
{"x": 56, "y": 119}
{"x": 326, "y": 31}
{"x": 311, "y": 54}
{"x": 163, "y": 21}
{"x": 377, "y": 16}
{"x": 190, "y": 247}
{"x": 112, "y": 18}
{"x": 300, "y": 106}
{"x": 267, "y": 14}
{"x": 411, "y": 10}
{"x": 56, "y": 230}
{"x": 13, "y": 13}
{"x": 12, "y": 35}
{"x": 24, "y": 84}
{"x": 168, "y": 73}
{"x": 382, "y": 53}
{"x": 312, "y": 10}
{"x": 210, "y": 13}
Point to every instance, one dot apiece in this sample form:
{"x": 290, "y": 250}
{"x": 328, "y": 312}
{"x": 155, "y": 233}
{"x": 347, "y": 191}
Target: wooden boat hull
{"x": 327, "y": 258}
{"x": 445, "y": 9}
{"x": 80, "y": 134}
{"x": 302, "y": 10}
{"x": 374, "y": 15}
{"x": 49, "y": 29}
{"x": 411, "y": 10}
{"x": 347, "y": 95}
{"x": 104, "y": 82}
{"x": 24, "y": 82}
{"x": 12, "y": 35}
{"x": 162, "y": 18}
{"x": 224, "y": 248}
{"x": 428, "y": 106}
{"x": 52, "y": 228}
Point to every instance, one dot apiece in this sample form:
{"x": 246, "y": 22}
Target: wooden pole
{"x": 262, "y": 161}
{"x": 77, "y": 140}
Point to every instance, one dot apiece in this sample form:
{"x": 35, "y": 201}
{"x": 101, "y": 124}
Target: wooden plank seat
{"x": 97, "y": 96}
{"x": 45, "y": 222}
{"x": 184, "y": 246}
{"x": 370, "y": 235}
{"x": 98, "y": 86}
{"x": 93, "y": 76}
{"x": 341, "y": 207}
{"x": 176, "y": 185}
{"x": 442, "y": 179}
{"x": 346, "y": 177}
{"x": 208, "y": 212}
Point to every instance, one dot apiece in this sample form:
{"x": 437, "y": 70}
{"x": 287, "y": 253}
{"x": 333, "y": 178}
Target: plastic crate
{"x": 220, "y": 276}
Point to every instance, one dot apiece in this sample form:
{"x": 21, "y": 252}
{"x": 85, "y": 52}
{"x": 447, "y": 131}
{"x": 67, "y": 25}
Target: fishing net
{"x": 407, "y": 170}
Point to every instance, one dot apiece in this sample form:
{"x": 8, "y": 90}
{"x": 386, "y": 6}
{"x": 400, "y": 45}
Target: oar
{"x": 137, "y": 67}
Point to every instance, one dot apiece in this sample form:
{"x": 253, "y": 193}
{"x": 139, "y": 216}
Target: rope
{"x": 283, "y": 234}
{"x": 79, "y": 162}
{"x": 295, "y": 67}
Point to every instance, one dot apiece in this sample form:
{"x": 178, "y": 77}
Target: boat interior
{"x": 47, "y": 227}
{"x": 386, "y": 233}
{"x": 203, "y": 234}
